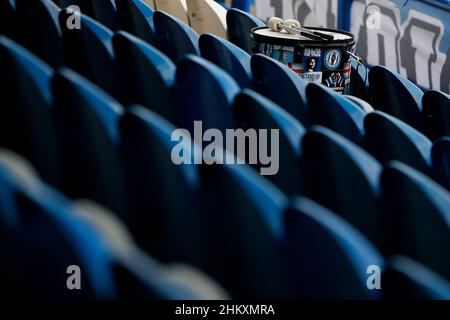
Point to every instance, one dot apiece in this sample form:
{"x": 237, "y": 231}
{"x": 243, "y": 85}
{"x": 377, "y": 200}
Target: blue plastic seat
{"x": 211, "y": 106}
{"x": 162, "y": 208}
{"x": 136, "y": 17}
{"x": 89, "y": 51}
{"x": 395, "y": 95}
{"x": 344, "y": 178}
{"x": 416, "y": 217}
{"x": 227, "y": 56}
{"x": 405, "y": 278}
{"x": 436, "y": 114}
{"x": 388, "y": 138}
{"x": 39, "y": 30}
{"x": 440, "y": 155}
{"x": 103, "y": 11}
{"x": 329, "y": 109}
{"x": 359, "y": 79}
{"x": 146, "y": 75}
{"x": 175, "y": 38}
{"x": 240, "y": 24}
{"x": 26, "y": 125}
{"x": 280, "y": 84}
{"x": 87, "y": 120}
{"x": 253, "y": 111}
{"x": 317, "y": 238}
{"x": 7, "y": 19}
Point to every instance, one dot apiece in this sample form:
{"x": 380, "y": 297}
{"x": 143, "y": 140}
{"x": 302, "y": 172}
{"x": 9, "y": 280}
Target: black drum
{"x": 320, "y": 61}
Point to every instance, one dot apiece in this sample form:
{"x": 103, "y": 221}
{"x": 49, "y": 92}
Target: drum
{"x": 320, "y": 61}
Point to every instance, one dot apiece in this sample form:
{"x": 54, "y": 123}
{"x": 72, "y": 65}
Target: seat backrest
{"x": 440, "y": 155}
{"x": 436, "y": 114}
{"x": 176, "y": 8}
{"x": 207, "y": 16}
{"x": 240, "y": 24}
{"x": 136, "y": 17}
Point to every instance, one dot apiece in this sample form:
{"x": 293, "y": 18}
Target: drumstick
{"x": 294, "y": 26}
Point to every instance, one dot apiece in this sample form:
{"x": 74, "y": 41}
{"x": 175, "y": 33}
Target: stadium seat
{"x": 364, "y": 105}
{"x": 163, "y": 211}
{"x": 416, "y": 215}
{"x": 388, "y": 138}
{"x": 150, "y": 3}
{"x": 87, "y": 120}
{"x": 146, "y": 75}
{"x": 39, "y": 30}
{"x": 405, "y": 278}
{"x": 253, "y": 111}
{"x": 359, "y": 79}
{"x": 344, "y": 178}
{"x": 280, "y": 84}
{"x": 240, "y": 24}
{"x": 227, "y": 56}
{"x": 440, "y": 155}
{"x": 136, "y": 17}
{"x": 176, "y": 8}
{"x": 207, "y": 16}
{"x": 26, "y": 125}
{"x": 7, "y": 19}
{"x": 194, "y": 103}
{"x": 175, "y": 38}
{"x": 317, "y": 239}
{"x": 89, "y": 52}
{"x": 436, "y": 114}
{"x": 395, "y": 95}
{"x": 103, "y": 11}
{"x": 329, "y": 109}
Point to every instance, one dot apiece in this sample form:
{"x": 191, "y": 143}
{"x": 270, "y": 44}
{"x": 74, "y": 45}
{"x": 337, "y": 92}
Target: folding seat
{"x": 388, "y": 138}
{"x": 280, "y": 84}
{"x": 327, "y": 257}
{"x": 39, "y": 30}
{"x": 207, "y": 16}
{"x": 26, "y": 125}
{"x": 162, "y": 208}
{"x": 329, "y": 109}
{"x": 176, "y": 8}
{"x": 253, "y": 111}
{"x": 7, "y": 19}
{"x": 395, "y": 95}
{"x": 405, "y": 278}
{"x": 364, "y": 105}
{"x": 440, "y": 154}
{"x": 87, "y": 120}
{"x": 416, "y": 215}
{"x": 344, "y": 178}
{"x": 136, "y": 17}
{"x": 243, "y": 213}
{"x": 89, "y": 51}
{"x": 227, "y": 56}
{"x": 146, "y": 75}
{"x": 204, "y": 92}
{"x": 436, "y": 114}
{"x": 174, "y": 38}
{"x": 359, "y": 81}
{"x": 103, "y": 11}
{"x": 240, "y": 24}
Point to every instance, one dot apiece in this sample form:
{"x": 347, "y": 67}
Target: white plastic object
{"x": 275, "y": 23}
{"x": 292, "y": 23}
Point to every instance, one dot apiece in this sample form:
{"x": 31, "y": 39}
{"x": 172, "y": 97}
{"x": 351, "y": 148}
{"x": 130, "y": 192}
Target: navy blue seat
{"x": 416, "y": 217}
{"x": 87, "y": 120}
{"x": 240, "y": 24}
{"x": 329, "y": 109}
{"x": 440, "y": 155}
{"x": 39, "y": 30}
{"x": 7, "y": 19}
{"x": 344, "y": 178}
{"x": 103, "y": 11}
{"x": 227, "y": 56}
{"x": 253, "y": 111}
{"x": 89, "y": 52}
{"x": 316, "y": 239}
{"x": 136, "y": 17}
{"x": 146, "y": 75}
{"x": 194, "y": 103}
{"x": 26, "y": 125}
{"x": 243, "y": 216}
{"x": 436, "y": 114}
{"x": 162, "y": 208}
{"x": 174, "y": 38}
{"x": 405, "y": 278}
{"x": 388, "y": 138}
{"x": 395, "y": 95}
{"x": 280, "y": 84}
{"x": 359, "y": 81}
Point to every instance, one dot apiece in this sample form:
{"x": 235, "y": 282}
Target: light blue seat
{"x": 240, "y": 24}
{"x": 136, "y": 17}
{"x": 436, "y": 114}
{"x": 227, "y": 56}
{"x": 440, "y": 155}
{"x": 280, "y": 84}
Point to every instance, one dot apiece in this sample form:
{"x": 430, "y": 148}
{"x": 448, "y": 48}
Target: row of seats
{"x": 352, "y": 191}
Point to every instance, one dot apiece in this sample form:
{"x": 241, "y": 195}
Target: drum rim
{"x": 308, "y": 43}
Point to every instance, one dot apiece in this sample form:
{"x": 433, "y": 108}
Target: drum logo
{"x": 332, "y": 59}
